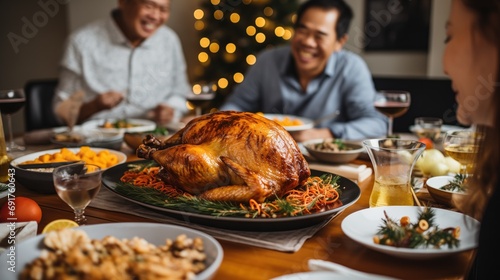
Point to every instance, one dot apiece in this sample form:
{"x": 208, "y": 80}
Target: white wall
{"x": 39, "y": 58}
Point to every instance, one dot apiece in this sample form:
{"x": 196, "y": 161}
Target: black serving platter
{"x": 350, "y": 194}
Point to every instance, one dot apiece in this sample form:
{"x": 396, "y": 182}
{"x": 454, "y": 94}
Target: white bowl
{"x": 344, "y": 156}
{"x": 42, "y": 182}
{"x": 155, "y": 233}
{"x": 445, "y": 197}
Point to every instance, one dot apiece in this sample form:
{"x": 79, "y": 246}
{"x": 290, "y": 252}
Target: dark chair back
{"x": 430, "y": 97}
{"x": 38, "y": 112}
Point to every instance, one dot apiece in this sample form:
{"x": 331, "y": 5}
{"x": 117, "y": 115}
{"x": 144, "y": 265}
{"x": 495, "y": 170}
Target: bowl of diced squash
{"x": 39, "y": 177}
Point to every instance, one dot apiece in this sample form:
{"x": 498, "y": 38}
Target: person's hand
{"x": 313, "y": 133}
{"x": 108, "y": 100}
{"x": 163, "y": 114}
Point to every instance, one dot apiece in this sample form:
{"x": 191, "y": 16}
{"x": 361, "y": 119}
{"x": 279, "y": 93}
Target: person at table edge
{"x": 314, "y": 77}
{"x": 128, "y": 65}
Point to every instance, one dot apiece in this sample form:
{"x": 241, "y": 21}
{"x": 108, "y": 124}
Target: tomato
{"x": 428, "y": 142}
{"x": 23, "y": 208}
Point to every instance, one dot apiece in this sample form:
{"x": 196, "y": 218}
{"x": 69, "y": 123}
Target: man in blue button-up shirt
{"x": 314, "y": 77}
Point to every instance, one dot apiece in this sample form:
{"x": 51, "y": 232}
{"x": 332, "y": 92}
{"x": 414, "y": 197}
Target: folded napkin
{"x": 286, "y": 241}
{"x": 13, "y": 233}
{"x": 355, "y": 172}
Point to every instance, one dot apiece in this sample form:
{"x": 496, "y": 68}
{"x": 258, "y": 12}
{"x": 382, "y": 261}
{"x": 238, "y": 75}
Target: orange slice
{"x": 59, "y": 224}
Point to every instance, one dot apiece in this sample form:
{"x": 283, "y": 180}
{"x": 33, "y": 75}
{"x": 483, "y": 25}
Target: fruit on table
{"x": 433, "y": 162}
{"x": 59, "y": 224}
{"x": 427, "y": 141}
{"x": 20, "y": 209}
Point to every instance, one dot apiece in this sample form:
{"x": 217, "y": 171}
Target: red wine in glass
{"x": 11, "y": 101}
{"x": 201, "y": 96}
{"x": 393, "y": 104}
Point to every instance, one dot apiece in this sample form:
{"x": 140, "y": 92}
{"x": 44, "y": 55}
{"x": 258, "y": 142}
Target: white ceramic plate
{"x": 139, "y": 125}
{"x": 155, "y": 233}
{"x": 121, "y": 156}
{"x": 325, "y": 275}
{"x": 362, "y": 225}
{"x": 306, "y": 123}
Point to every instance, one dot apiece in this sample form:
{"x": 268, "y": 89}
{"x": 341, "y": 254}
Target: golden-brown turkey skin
{"x": 230, "y": 156}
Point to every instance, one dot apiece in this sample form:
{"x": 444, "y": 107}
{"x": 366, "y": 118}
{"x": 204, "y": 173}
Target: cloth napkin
{"x": 16, "y": 232}
{"x": 285, "y": 241}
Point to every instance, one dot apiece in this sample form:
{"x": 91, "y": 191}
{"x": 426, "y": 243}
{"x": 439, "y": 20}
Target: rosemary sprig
{"x": 457, "y": 185}
{"x": 276, "y": 207}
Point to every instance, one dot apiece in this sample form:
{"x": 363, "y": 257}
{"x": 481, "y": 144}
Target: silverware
{"x": 320, "y": 265}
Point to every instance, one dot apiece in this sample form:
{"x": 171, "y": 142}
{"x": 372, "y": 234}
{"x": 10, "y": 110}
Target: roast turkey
{"x": 229, "y": 156}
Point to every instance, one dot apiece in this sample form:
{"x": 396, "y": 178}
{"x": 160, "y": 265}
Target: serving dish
{"x": 43, "y": 182}
{"x": 90, "y": 137}
{"x": 134, "y": 139}
{"x": 137, "y": 125}
{"x": 343, "y": 156}
{"x": 305, "y": 123}
{"x": 28, "y": 250}
{"x": 445, "y": 197}
{"x": 362, "y": 226}
{"x": 350, "y": 194}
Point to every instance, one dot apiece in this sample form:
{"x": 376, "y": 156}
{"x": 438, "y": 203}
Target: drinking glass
{"x": 11, "y": 101}
{"x": 393, "y": 104}
{"x": 393, "y": 161}
{"x": 461, "y": 145}
{"x": 428, "y": 127}
{"x": 201, "y": 96}
{"x": 77, "y": 184}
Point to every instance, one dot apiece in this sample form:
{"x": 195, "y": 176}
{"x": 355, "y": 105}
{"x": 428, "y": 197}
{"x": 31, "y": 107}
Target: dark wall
{"x": 429, "y": 98}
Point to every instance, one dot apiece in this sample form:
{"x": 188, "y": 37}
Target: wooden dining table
{"x": 243, "y": 261}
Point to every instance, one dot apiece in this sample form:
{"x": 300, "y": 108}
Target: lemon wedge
{"x": 59, "y": 224}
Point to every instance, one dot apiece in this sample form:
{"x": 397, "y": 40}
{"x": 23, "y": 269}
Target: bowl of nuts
{"x": 333, "y": 150}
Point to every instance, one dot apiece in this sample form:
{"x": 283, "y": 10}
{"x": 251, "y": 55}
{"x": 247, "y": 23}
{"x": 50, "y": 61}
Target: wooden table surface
{"x": 249, "y": 262}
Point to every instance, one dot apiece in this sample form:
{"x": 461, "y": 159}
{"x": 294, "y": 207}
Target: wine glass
{"x": 77, "y": 184}
{"x": 393, "y": 104}
{"x": 462, "y": 146}
{"x": 201, "y": 96}
{"x": 11, "y": 101}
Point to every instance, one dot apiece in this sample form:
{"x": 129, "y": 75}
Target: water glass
{"x": 428, "y": 127}
{"x": 77, "y": 184}
{"x": 393, "y": 162}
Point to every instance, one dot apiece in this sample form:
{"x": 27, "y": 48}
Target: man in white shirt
{"x": 130, "y": 65}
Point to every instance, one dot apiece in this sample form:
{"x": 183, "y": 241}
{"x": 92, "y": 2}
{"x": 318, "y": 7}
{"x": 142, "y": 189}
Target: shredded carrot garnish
{"x": 312, "y": 197}
{"x": 147, "y": 178}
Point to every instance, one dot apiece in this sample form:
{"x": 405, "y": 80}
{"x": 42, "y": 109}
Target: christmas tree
{"x": 233, "y": 32}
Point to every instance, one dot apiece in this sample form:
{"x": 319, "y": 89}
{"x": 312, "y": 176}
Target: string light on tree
{"x": 232, "y": 33}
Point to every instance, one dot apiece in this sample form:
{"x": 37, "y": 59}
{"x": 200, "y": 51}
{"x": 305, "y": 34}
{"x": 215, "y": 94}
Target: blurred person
{"x": 130, "y": 65}
{"x": 471, "y": 60}
{"x": 314, "y": 77}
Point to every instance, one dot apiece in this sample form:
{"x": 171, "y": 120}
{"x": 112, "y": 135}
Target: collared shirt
{"x": 99, "y": 58}
{"x": 345, "y": 86}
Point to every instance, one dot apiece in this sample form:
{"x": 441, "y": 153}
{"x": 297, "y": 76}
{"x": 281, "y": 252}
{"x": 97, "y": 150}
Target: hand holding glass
{"x": 393, "y": 104}
{"x": 77, "y": 184}
{"x": 11, "y": 101}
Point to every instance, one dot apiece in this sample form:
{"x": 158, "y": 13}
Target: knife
{"x": 45, "y": 165}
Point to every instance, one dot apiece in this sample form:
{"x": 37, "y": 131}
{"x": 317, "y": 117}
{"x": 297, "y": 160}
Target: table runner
{"x": 285, "y": 241}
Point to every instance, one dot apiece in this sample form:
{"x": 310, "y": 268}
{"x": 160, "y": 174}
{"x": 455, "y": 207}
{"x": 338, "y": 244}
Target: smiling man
{"x": 314, "y": 77}
{"x": 130, "y": 65}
